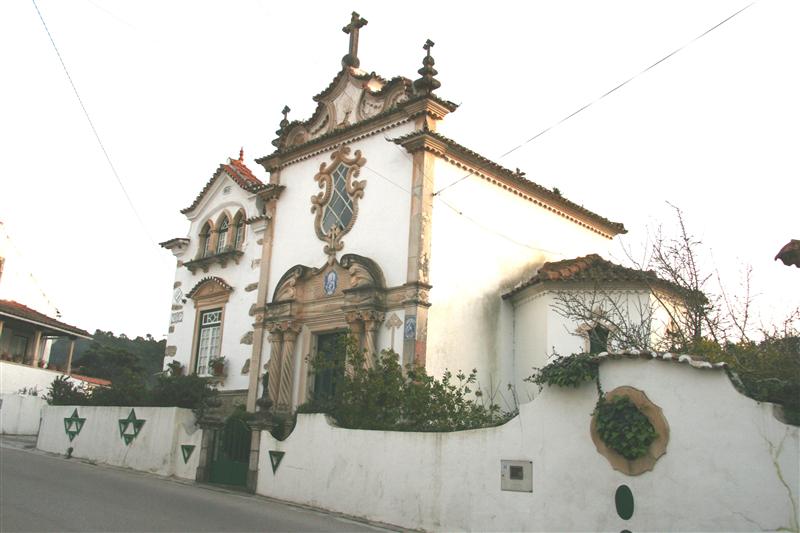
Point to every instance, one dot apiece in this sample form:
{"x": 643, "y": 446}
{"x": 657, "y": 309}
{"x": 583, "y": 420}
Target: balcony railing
{"x": 228, "y": 253}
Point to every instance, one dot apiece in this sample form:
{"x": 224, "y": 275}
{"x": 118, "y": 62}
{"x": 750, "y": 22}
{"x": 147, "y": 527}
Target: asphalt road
{"x": 47, "y": 493}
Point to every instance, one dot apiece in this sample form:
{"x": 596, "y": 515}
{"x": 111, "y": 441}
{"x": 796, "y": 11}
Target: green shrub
{"x": 62, "y": 391}
{"x": 623, "y": 427}
{"x": 386, "y": 397}
{"x": 130, "y": 389}
{"x": 566, "y": 371}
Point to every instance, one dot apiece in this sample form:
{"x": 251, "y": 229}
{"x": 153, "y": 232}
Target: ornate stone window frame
{"x": 319, "y": 201}
{"x": 208, "y": 294}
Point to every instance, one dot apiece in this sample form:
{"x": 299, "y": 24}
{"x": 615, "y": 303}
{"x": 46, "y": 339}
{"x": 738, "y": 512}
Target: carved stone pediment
{"x": 210, "y": 289}
{"x": 354, "y": 281}
{"x": 352, "y": 96}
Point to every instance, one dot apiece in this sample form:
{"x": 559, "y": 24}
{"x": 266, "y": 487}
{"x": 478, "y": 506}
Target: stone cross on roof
{"x": 356, "y": 22}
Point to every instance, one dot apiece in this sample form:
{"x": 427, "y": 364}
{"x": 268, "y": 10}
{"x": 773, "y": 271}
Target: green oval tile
{"x": 624, "y": 501}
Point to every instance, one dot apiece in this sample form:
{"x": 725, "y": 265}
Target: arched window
{"x": 205, "y": 240}
{"x": 222, "y": 238}
{"x": 238, "y": 230}
{"x": 598, "y": 339}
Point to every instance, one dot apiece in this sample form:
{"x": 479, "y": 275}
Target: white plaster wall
{"x": 186, "y": 433}
{"x": 540, "y": 331}
{"x": 720, "y": 473}
{"x": 156, "y": 449}
{"x": 530, "y": 341}
{"x": 381, "y": 229}
{"x": 499, "y": 240}
{"x": 14, "y": 376}
{"x": 237, "y": 320}
{"x": 20, "y": 414}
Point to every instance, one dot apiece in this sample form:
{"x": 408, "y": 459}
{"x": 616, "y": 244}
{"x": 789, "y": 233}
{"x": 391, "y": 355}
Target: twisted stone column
{"x": 290, "y": 331}
{"x": 274, "y": 364}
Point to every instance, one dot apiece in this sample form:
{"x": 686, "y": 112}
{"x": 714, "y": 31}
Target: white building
{"x": 348, "y": 232}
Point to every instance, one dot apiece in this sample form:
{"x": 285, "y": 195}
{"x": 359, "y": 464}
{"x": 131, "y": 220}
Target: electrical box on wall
{"x": 516, "y": 475}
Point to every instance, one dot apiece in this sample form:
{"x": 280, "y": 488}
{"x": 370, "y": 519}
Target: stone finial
{"x": 427, "y": 83}
{"x": 285, "y": 121}
{"x": 356, "y": 23}
{"x": 241, "y": 154}
{"x": 283, "y": 124}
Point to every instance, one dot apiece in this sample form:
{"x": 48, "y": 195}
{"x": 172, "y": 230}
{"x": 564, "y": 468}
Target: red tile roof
{"x": 239, "y": 173}
{"x": 790, "y": 254}
{"x": 593, "y": 268}
{"x": 93, "y": 381}
{"x": 17, "y": 310}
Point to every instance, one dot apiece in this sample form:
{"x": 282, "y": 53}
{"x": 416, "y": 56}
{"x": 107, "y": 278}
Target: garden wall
{"x": 20, "y": 414}
{"x": 151, "y": 439}
{"x": 730, "y": 465}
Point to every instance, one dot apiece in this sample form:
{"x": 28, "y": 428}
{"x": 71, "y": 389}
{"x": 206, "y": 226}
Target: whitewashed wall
{"x": 237, "y": 320}
{"x": 20, "y": 414}
{"x": 540, "y": 331}
{"x": 381, "y": 229}
{"x": 156, "y": 449}
{"x": 14, "y": 376}
{"x": 722, "y": 470}
{"x": 499, "y": 240}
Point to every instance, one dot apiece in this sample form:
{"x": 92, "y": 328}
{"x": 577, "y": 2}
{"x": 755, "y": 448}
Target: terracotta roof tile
{"x": 239, "y": 173}
{"x": 89, "y": 379}
{"x": 790, "y": 254}
{"x": 595, "y": 269}
{"x": 23, "y": 312}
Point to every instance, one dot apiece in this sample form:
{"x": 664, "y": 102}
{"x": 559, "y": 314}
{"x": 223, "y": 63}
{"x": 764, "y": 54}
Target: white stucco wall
{"x": 720, "y": 473}
{"x": 14, "y": 376}
{"x": 156, "y": 449}
{"x": 381, "y": 229}
{"x": 499, "y": 240}
{"x": 237, "y": 320}
{"x": 20, "y": 414}
{"x": 540, "y": 331}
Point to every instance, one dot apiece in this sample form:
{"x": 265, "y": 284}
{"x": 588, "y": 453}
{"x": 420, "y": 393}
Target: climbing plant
{"x": 623, "y": 427}
{"x": 620, "y": 423}
{"x": 566, "y": 371}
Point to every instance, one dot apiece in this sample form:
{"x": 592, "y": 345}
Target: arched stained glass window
{"x": 339, "y": 210}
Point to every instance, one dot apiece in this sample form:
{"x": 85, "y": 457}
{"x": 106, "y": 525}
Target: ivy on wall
{"x": 620, "y": 423}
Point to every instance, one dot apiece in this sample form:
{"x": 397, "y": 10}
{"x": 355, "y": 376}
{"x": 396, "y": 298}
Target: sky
{"x": 173, "y": 88}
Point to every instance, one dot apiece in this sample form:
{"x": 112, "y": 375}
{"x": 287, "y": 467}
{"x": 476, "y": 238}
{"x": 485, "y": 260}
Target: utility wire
{"x": 607, "y": 93}
{"x": 91, "y": 124}
{"x": 29, "y": 271}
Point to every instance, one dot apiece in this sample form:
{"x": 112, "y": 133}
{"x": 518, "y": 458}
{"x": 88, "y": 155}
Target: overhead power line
{"x": 91, "y": 124}
{"x": 607, "y": 93}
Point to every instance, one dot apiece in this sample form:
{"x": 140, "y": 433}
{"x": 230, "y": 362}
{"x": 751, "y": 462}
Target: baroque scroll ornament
{"x": 336, "y": 207}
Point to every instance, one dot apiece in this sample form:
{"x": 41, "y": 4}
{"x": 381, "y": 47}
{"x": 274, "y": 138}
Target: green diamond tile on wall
{"x": 129, "y": 427}
{"x": 186, "y": 451}
{"x": 73, "y": 425}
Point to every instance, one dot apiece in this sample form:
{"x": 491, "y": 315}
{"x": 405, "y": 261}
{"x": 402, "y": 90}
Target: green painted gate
{"x": 230, "y": 453}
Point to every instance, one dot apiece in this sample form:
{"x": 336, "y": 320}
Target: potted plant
{"x": 217, "y": 365}
{"x": 175, "y": 368}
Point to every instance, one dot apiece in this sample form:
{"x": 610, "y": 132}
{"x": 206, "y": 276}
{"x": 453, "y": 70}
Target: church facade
{"x": 370, "y": 222}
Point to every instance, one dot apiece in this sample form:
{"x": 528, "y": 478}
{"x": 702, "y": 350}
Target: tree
{"x": 704, "y": 319}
